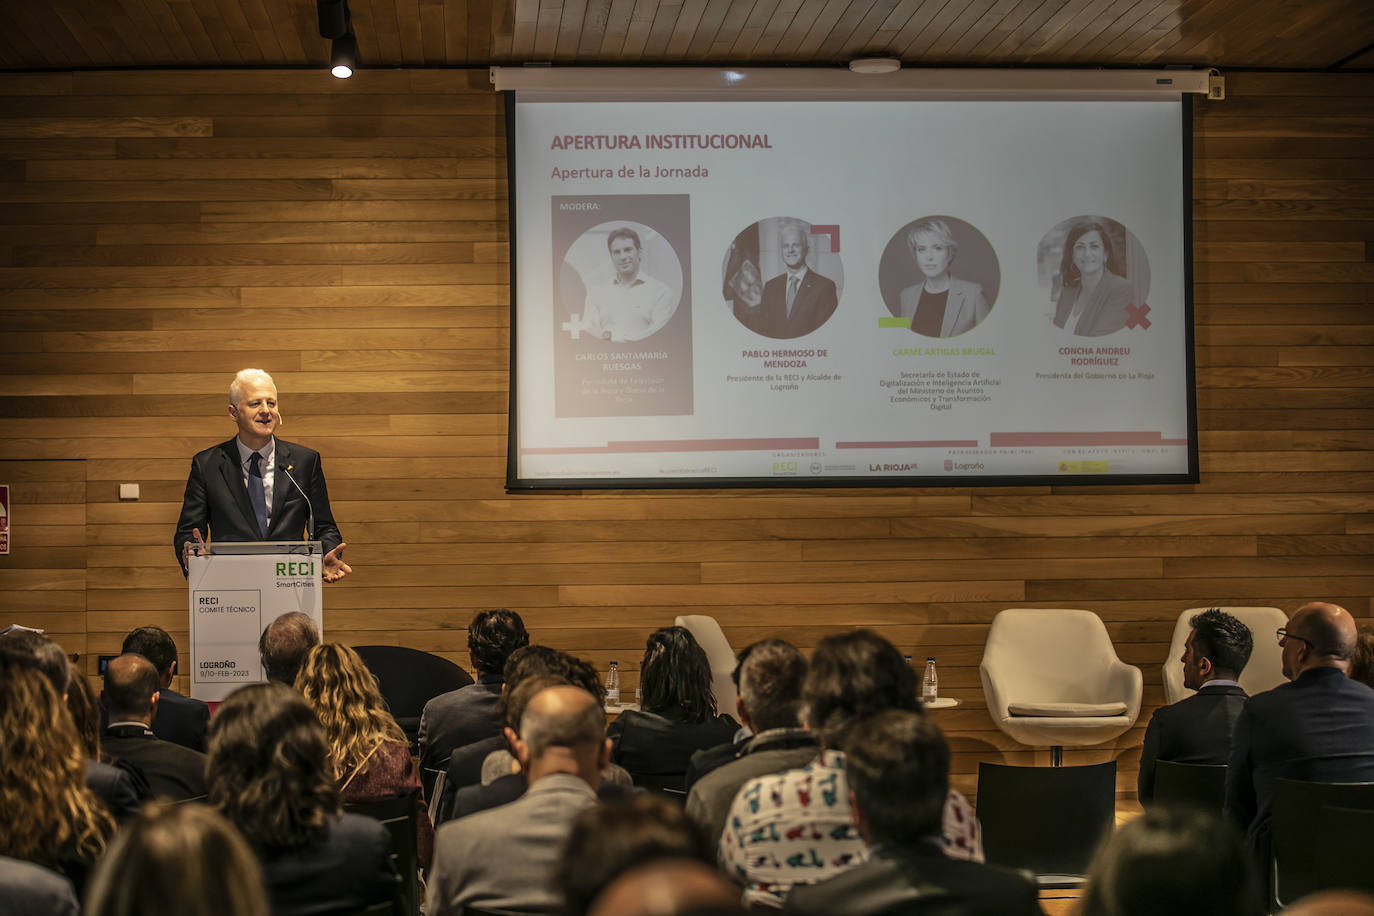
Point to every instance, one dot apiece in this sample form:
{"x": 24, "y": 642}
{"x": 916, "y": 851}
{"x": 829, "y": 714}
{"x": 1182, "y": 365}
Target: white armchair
{"x": 708, "y": 634}
{"x": 1263, "y": 672}
{"x": 1051, "y": 677}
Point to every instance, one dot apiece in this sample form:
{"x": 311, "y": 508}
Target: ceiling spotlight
{"x": 343, "y": 56}
{"x": 875, "y": 65}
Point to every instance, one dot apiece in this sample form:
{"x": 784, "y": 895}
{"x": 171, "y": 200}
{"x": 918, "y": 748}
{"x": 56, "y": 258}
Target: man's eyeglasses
{"x": 1283, "y": 634}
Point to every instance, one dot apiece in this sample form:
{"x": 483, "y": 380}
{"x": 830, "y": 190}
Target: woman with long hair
{"x": 269, "y": 775}
{"x": 178, "y": 858}
{"x": 367, "y": 749}
{"x": 1093, "y": 294}
{"x": 50, "y": 817}
{"x": 677, "y": 714}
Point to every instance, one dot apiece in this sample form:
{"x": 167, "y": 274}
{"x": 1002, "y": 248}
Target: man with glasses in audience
{"x": 1198, "y": 729}
{"x": 1318, "y": 728}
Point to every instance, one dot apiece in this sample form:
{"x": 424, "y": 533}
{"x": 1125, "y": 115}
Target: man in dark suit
{"x": 798, "y": 300}
{"x": 897, "y": 763}
{"x": 180, "y": 720}
{"x": 131, "y": 697}
{"x": 258, "y": 488}
{"x": 460, "y": 717}
{"x": 1198, "y": 729}
{"x": 1318, "y": 728}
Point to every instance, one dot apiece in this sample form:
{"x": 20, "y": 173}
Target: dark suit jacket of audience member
{"x": 1193, "y": 730}
{"x": 121, "y": 788}
{"x": 465, "y": 769}
{"x": 1318, "y": 728}
{"x": 709, "y": 799}
{"x": 173, "y": 771}
{"x": 912, "y": 881}
{"x": 180, "y": 720}
{"x": 656, "y": 750}
{"x": 32, "y": 890}
{"x": 709, "y": 759}
{"x": 459, "y": 718}
{"x": 346, "y": 868}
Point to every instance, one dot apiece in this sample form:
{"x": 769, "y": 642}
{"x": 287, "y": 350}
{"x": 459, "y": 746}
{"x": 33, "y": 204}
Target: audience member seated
{"x": 284, "y": 644}
{"x": 178, "y": 859}
{"x": 897, "y": 767}
{"x": 1362, "y": 662}
{"x": 504, "y": 859}
{"x": 460, "y": 717}
{"x": 797, "y": 827}
{"x": 677, "y": 714}
{"x": 1198, "y": 729}
{"x": 269, "y": 774}
{"x": 368, "y": 753}
{"x": 47, "y": 814}
{"x": 610, "y": 839}
{"x": 1173, "y": 861}
{"x": 669, "y": 887}
{"x": 131, "y": 700}
{"x": 180, "y": 720}
{"x": 1319, "y": 727}
{"x": 120, "y": 790}
{"x": 769, "y": 680}
{"x": 32, "y": 890}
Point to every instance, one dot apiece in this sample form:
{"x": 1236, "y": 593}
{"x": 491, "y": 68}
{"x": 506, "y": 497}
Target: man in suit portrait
{"x": 179, "y": 719}
{"x": 256, "y": 487}
{"x": 503, "y": 859}
{"x": 1319, "y": 727}
{"x": 131, "y": 699}
{"x": 798, "y": 300}
{"x": 897, "y": 763}
{"x": 1198, "y": 729}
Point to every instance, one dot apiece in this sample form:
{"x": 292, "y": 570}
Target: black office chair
{"x": 408, "y": 679}
{"x": 1192, "y": 785}
{"x": 398, "y": 816}
{"x": 1047, "y": 820}
{"x": 1310, "y": 848}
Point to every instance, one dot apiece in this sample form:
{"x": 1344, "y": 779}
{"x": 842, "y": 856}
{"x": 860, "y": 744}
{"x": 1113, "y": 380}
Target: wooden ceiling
{"x": 1302, "y": 34}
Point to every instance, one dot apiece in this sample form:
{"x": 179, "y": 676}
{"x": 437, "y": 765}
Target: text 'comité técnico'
{"x": 661, "y": 141}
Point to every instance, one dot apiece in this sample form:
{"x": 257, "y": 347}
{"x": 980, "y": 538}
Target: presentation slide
{"x": 850, "y": 293}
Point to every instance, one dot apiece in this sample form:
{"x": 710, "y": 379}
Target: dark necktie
{"x": 257, "y": 495}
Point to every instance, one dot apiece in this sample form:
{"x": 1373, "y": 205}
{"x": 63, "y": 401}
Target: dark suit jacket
{"x": 120, "y": 788}
{"x": 465, "y": 769}
{"x": 1318, "y": 728}
{"x": 458, "y": 718}
{"x": 181, "y": 720}
{"x": 1195, "y": 730}
{"x": 173, "y": 771}
{"x": 31, "y": 890}
{"x": 346, "y": 868}
{"x": 920, "y": 881}
{"x": 815, "y": 302}
{"x": 216, "y": 499}
{"x": 656, "y": 750}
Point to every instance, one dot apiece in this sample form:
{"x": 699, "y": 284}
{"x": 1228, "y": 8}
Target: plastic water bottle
{"x": 613, "y": 685}
{"x": 930, "y": 682}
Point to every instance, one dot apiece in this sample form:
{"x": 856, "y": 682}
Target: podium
{"x": 235, "y": 589}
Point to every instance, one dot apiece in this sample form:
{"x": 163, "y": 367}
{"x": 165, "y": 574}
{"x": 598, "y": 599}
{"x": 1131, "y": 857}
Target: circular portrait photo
{"x": 942, "y": 274}
{"x": 620, "y": 281}
{"x": 1097, "y": 275}
{"x": 782, "y": 276}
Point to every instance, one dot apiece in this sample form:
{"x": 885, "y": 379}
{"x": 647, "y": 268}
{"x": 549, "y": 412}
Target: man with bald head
{"x": 130, "y": 697}
{"x": 504, "y": 859}
{"x": 1319, "y": 727}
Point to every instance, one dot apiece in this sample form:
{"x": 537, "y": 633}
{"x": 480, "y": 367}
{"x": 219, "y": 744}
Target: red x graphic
{"x": 1135, "y": 315}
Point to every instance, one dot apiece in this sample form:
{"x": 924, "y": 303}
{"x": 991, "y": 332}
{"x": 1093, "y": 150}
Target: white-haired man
{"x": 256, "y": 487}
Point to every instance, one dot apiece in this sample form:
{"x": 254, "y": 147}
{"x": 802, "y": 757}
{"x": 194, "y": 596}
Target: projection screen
{"x": 769, "y": 289}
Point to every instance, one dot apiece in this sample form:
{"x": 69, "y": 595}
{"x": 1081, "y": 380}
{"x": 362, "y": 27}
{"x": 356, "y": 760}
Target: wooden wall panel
{"x": 159, "y": 233}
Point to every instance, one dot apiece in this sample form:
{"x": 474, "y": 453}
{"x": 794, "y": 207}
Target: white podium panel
{"x": 235, "y": 591}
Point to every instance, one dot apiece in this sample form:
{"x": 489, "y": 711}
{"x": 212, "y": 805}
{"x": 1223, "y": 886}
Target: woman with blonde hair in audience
{"x": 177, "y": 859}
{"x": 49, "y": 816}
{"x": 367, "y": 749}
{"x": 269, "y": 774}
